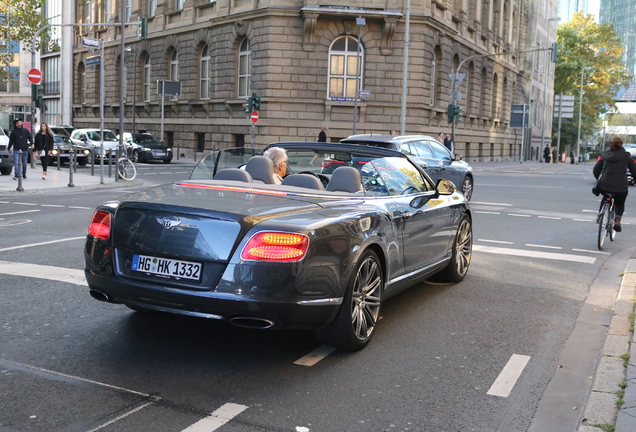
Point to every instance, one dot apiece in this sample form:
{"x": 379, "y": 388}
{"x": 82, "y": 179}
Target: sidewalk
{"x": 60, "y": 180}
{"x": 613, "y": 397}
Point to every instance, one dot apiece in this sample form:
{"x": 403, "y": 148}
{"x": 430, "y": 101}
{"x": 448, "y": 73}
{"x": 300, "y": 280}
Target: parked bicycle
{"x": 125, "y": 167}
{"x": 605, "y": 220}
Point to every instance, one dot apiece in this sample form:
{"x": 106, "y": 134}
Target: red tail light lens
{"x": 100, "y": 225}
{"x": 276, "y": 246}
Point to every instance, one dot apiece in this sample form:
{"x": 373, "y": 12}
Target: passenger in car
{"x": 279, "y": 158}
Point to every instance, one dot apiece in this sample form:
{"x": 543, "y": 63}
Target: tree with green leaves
{"x": 584, "y": 43}
{"x": 19, "y": 21}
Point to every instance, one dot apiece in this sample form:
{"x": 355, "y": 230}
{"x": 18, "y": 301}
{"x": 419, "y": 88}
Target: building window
{"x": 128, "y": 10}
{"x": 438, "y": 77}
{"x": 51, "y": 75}
{"x": 152, "y": 7}
{"x": 81, "y": 72}
{"x": 204, "y": 86}
{"x": 244, "y": 69}
{"x": 87, "y": 12}
{"x": 146, "y": 78}
{"x": 179, "y": 5}
{"x": 346, "y": 70}
{"x": 106, "y": 11}
{"x": 174, "y": 70}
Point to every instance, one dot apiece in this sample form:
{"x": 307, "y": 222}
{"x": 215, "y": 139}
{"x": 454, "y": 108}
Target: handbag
{"x": 596, "y": 189}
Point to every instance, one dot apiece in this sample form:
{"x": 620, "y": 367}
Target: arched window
{"x": 244, "y": 69}
{"x": 146, "y": 78}
{"x": 470, "y": 87}
{"x": 204, "y": 73}
{"x": 439, "y": 73}
{"x": 174, "y": 66}
{"x": 346, "y": 69}
{"x": 495, "y": 96}
{"x": 81, "y": 72}
{"x": 484, "y": 80}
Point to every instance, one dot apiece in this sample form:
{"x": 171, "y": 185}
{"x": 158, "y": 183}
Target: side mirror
{"x": 445, "y": 187}
{"x": 422, "y": 164}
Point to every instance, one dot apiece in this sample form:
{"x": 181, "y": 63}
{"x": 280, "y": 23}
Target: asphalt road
{"x": 437, "y": 361}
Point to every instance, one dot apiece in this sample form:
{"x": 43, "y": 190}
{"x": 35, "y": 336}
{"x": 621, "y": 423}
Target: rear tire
{"x": 6, "y": 170}
{"x": 126, "y": 169}
{"x": 462, "y": 252}
{"x": 167, "y": 161}
{"x": 355, "y": 323}
{"x": 602, "y": 224}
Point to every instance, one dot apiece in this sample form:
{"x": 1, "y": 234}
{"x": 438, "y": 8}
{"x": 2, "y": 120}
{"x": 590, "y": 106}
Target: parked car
{"x": 6, "y": 159}
{"x": 430, "y": 154}
{"x": 228, "y": 244}
{"x": 59, "y": 130}
{"x": 143, "y": 147}
{"x": 632, "y": 151}
{"x": 62, "y": 147}
{"x": 90, "y": 138}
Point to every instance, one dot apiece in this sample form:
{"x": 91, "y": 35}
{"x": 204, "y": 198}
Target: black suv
{"x": 427, "y": 152}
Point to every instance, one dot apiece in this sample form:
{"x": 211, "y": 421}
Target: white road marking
{"x": 81, "y": 208}
{"x": 590, "y": 211}
{"x": 495, "y": 241}
{"x": 543, "y": 246}
{"x": 518, "y": 215}
{"x": 217, "y": 419}
{"x": 509, "y": 375}
{"x": 23, "y": 366}
{"x": 108, "y": 423}
{"x": 41, "y": 243}
{"x": 486, "y": 212}
{"x": 534, "y": 254}
{"x": 582, "y": 220}
{"x": 549, "y": 217}
{"x": 52, "y": 205}
{"x": 591, "y": 251}
{"x": 29, "y": 204}
{"x": 493, "y": 204}
{"x": 315, "y": 356}
{"x": 39, "y": 271}
{"x": 19, "y": 212}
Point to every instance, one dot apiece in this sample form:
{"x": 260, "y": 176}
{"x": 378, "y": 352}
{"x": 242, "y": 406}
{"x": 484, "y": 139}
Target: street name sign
{"x": 91, "y": 43}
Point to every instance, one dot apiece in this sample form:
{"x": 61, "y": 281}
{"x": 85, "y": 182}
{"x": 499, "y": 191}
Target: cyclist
{"x": 613, "y": 164}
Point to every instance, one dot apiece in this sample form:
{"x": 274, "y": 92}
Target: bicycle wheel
{"x": 126, "y": 169}
{"x": 602, "y": 225}
{"x": 610, "y": 226}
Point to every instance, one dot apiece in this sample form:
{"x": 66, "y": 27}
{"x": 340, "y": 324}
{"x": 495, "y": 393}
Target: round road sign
{"x": 254, "y": 116}
{"x": 35, "y": 76}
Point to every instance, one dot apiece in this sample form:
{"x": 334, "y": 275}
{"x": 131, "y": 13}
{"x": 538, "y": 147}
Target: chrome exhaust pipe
{"x": 100, "y": 295}
{"x": 252, "y": 322}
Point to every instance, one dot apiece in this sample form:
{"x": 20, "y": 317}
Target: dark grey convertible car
{"x": 318, "y": 252}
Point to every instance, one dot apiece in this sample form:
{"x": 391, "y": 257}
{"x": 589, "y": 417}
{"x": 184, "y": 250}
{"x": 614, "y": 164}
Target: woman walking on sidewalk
{"x": 43, "y": 146}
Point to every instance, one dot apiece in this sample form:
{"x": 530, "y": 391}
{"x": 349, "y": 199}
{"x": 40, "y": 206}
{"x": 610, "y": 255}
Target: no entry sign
{"x": 254, "y": 116}
{"x": 35, "y": 76}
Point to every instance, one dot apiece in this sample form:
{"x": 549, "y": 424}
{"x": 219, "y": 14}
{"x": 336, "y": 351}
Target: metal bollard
{"x": 19, "y": 188}
{"x": 110, "y": 164}
{"x": 92, "y": 161}
{"x": 71, "y": 166}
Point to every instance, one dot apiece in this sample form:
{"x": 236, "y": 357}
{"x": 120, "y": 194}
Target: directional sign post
{"x": 35, "y": 76}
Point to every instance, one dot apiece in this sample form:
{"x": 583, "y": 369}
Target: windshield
{"x": 108, "y": 136}
{"x": 145, "y": 139}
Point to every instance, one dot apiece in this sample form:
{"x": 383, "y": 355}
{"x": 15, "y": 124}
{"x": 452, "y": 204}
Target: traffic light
{"x": 554, "y": 53}
{"x": 458, "y": 114}
{"x": 256, "y": 102}
{"x": 37, "y": 93}
{"x": 249, "y": 106}
{"x": 143, "y": 29}
{"x": 451, "y": 113}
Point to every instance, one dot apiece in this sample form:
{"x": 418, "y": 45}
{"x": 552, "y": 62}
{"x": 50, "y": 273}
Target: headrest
{"x": 233, "y": 174}
{"x": 261, "y": 168}
{"x": 303, "y": 180}
{"x": 345, "y": 179}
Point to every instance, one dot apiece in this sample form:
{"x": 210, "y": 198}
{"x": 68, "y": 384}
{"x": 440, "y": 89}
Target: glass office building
{"x": 622, "y": 13}
{"x": 567, "y": 8}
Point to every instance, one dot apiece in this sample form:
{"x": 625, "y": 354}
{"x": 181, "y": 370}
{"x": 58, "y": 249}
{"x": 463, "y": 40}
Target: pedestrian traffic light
{"x": 37, "y": 93}
{"x": 554, "y": 53}
{"x": 249, "y": 106}
{"x": 143, "y": 29}
{"x": 458, "y": 114}
{"x": 451, "y": 113}
{"x": 34, "y": 93}
{"x": 256, "y": 102}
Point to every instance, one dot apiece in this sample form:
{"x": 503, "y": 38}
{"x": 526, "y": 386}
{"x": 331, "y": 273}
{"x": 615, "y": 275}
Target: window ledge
{"x": 206, "y": 5}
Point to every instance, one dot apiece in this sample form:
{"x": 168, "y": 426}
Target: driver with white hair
{"x": 279, "y": 157}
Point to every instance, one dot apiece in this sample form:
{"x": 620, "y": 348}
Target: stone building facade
{"x": 300, "y": 57}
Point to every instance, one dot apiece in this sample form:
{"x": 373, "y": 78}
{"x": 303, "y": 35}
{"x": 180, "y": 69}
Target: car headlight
{"x": 54, "y": 152}
{"x": 169, "y": 149}
{"x": 86, "y": 151}
{"x": 147, "y": 149}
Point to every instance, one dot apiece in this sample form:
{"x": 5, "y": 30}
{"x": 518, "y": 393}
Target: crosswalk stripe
{"x": 40, "y": 271}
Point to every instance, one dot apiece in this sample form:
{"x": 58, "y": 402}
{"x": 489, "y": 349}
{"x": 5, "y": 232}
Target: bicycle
{"x": 125, "y": 167}
{"x": 605, "y": 220}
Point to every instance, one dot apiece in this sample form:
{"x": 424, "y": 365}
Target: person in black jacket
{"x": 43, "y": 146}
{"x": 613, "y": 166}
{"x": 20, "y": 139}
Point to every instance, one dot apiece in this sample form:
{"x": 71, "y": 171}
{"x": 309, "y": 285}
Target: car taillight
{"x": 276, "y": 246}
{"x": 326, "y": 163}
{"x": 100, "y": 225}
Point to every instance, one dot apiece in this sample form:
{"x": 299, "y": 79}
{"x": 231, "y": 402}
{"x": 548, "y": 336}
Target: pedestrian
{"x": 546, "y": 154}
{"x": 555, "y": 156}
{"x": 610, "y": 171}
{"x": 20, "y": 139}
{"x": 43, "y": 146}
{"x": 441, "y": 137}
{"x": 448, "y": 142}
{"x": 394, "y": 132}
{"x": 322, "y": 136}
{"x": 572, "y": 156}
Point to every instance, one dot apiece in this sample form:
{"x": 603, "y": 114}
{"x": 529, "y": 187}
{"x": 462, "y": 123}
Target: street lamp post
{"x": 134, "y": 101}
{"x": 578, "y": 135}
{"x": 360, "y": 22}
{"x": 545, "y": 85}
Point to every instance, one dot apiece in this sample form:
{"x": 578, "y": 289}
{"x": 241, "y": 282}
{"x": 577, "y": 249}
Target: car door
{"x": 427, "y": 160}
{"x": 447, "y": 170}
{"x": 423, "y": 221}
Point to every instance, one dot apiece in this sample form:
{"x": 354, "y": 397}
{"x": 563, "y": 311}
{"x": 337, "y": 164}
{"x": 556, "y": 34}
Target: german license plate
{"x": 159, "y": 153}
{"x": 166, "y": 267}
